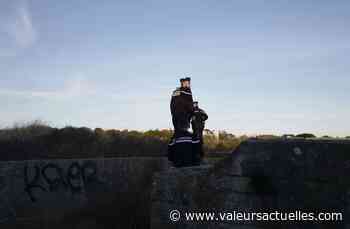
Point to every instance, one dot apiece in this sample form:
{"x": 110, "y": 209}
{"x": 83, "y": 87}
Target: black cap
{"x": 185, "y": 79}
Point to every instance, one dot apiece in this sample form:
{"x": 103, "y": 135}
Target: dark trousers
{"x": 184, "y": 150}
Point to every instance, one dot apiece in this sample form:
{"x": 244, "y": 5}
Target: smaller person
{"x": 198, "y": 124}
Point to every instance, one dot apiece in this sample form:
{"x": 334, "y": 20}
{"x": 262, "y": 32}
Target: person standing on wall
{"x": 180, "y": 148}
{"x": 181, "y": 106}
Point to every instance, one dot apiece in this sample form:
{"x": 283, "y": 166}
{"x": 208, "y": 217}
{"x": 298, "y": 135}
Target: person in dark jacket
{"x": 180, "y": 148}
{"x": 181, "y": 106}
{"x": 198, "y": 124}
{"x": 198, "y": 120}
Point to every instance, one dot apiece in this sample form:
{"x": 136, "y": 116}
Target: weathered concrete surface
{"x": 84, "y": 193}
{"x": 260, "y": 176}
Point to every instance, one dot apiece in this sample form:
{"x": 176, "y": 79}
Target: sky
{"x": 257, "y": 67}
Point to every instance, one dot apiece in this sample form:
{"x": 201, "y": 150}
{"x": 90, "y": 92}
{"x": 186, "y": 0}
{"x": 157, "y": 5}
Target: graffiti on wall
{"x": 52, "y": 177}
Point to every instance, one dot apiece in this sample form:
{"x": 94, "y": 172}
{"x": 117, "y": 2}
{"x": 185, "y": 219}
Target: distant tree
{"x": 165, "y": 134}
{"x": 306, "y": 135}
{"x": 224, "y": 136}
{"x": 288, "y": 136}
{"x": 243, "y": 137}
{"x": 208, "y": 132}
{"x": 210, "y": 140}
{"x": 267, "y": 136}
{"x": 99, "y": 131}
{"x": 326, "y": 136}
{"x": 347, "y": 137}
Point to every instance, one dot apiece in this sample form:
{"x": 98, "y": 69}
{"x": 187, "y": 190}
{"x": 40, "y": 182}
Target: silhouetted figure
{"x": 198, "y": 121}
{"x": 181, "y": 147}
{"x": 181, "y": 106}
{"x": 198, "y": 124}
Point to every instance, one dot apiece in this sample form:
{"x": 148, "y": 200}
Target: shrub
{"x": 37, "y": 140}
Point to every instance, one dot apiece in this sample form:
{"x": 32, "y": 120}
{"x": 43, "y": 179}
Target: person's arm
{"x": 204, "y": 115}
{"x": 174, "y": 96}
{"x": 191, "y": 104}
{"x": 172, "y": 105}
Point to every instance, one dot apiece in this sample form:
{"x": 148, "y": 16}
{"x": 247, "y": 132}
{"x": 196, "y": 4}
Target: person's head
{"x": 185, "y": 82}
{"x": 195, "y": 104}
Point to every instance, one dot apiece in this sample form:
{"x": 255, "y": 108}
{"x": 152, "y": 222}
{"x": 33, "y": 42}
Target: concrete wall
{"x": 84, "y": 193}
{"x": 260, "y": 176}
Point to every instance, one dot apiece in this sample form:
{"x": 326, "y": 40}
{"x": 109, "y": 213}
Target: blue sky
{"x": 269, "y": 67}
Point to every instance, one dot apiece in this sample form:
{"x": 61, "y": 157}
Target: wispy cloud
{"x": 23, "y": 29}
{"x": 19, "y": 26}
{"x": 76, "y": 86}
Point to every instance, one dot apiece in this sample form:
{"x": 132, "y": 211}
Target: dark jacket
{"x": 181, "y": 107}
{"x": 198, "y": 122}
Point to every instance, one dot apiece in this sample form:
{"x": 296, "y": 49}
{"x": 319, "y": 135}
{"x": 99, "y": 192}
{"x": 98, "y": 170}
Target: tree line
{"x": 40, "y": 141}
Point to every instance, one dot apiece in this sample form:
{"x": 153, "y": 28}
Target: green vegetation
{"x": 38, "y": 140}
{"x": 221, "y": 142}
{"x": 305, "y": 135}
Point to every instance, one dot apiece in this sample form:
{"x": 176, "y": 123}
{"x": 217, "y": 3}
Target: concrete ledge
{"x": 261, "y": 176}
